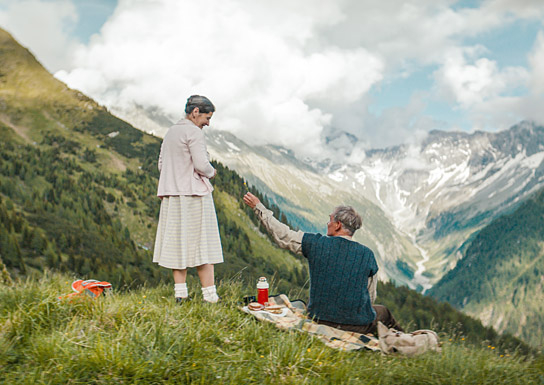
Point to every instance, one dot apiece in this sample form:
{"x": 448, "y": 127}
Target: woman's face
{"x": 200, "y": 119}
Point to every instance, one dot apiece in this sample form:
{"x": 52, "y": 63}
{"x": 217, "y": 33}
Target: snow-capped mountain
{"x": 448, "y": 173}
{"x": 443, "y": 190}
{"x": 420, "y": 203}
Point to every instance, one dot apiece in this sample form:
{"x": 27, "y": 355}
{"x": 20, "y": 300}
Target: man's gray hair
{"x": 350, "y": 219}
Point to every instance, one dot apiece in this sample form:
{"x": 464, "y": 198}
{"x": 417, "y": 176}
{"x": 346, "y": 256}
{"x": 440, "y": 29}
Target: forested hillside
{"x": 501, "y": 277}
{"x": 77, "y": 195}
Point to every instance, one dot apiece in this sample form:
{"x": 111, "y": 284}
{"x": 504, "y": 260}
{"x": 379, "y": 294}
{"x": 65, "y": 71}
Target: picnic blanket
{"x": 293, "y": 317}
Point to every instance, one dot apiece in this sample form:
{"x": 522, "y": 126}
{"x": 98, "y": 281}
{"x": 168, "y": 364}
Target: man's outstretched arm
{"x": 280, "y": 233}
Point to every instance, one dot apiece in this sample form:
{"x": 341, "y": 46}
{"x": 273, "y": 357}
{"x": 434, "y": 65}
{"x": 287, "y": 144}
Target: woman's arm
{"x": 159, "y": 163}
{"x": 199, "y": 155}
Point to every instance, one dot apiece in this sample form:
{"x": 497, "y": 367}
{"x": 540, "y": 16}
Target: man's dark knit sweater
{"x": 339, "y": 271}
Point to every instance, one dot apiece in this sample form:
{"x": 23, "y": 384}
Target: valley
{"x": 420, "y": 203}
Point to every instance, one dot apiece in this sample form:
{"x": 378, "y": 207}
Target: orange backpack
{"x": 90, "y": 287}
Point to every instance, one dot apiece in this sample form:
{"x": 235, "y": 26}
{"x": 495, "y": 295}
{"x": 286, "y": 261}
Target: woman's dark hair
{"x": 201, "y": 102}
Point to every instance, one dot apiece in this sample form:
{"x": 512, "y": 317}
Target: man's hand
{"x": 251, "y": 200}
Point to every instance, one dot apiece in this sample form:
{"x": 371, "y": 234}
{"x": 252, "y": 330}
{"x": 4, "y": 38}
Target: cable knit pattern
{"x": 339, "y": 271}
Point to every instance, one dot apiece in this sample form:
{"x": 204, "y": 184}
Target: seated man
{"x": 342, "y": 272}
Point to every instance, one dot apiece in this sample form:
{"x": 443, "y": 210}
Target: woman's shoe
{"x": 219, "y": 300}
{"x": 182, "y": 300}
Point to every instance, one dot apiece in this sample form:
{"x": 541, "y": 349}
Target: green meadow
{"x": 143, "y": 337}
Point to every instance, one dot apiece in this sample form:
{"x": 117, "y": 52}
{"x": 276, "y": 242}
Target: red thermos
{"x": 262, "y": 291}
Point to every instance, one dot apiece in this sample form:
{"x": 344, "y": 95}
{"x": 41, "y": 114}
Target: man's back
{"x": 339, "y": 272}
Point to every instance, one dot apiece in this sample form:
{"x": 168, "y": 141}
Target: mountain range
{"x": 420, "y": 203}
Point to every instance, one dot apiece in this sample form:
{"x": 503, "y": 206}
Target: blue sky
{"x": 92, "y": 15}
{"x": 291, "y": 73}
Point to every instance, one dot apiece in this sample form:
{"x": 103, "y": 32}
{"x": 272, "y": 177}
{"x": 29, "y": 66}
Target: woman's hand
{"x": 251, "y": 200}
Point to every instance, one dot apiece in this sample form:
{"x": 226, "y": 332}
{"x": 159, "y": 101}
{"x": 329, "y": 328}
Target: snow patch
{"x": 337, "y": 176}
{"x": 232, "y": 146}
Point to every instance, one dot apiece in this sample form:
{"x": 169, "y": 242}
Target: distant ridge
{"x": 422, "y": 202}
{"x": 500, "y": 279}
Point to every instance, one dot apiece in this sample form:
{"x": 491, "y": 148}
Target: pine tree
{"x": 5, "y": 277}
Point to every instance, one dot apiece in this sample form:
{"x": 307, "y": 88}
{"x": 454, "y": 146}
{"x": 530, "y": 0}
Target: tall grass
{"x": 143, "y": 336}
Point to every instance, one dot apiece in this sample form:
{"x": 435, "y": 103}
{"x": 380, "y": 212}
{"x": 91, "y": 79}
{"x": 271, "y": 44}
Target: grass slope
{"x": 142, "y": 336}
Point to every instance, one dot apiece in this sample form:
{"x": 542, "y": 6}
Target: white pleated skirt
{"x": 187, "y": 233}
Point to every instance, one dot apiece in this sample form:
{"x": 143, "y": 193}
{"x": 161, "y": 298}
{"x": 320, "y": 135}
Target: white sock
{"x": 180, "y": 290}
{"x": 210, "y": 294}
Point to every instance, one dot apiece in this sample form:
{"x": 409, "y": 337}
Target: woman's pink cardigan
{"x": 183, "y": 162}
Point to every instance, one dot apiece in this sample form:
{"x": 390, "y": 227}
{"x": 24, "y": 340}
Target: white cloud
{"x": 526, "y": 9}
{"x": 469, "y": 80}
{"x": 44, "y": 27}
{"x": 406, "y": 124}
{"x": 530, "y": 106}
{"x": 292, "y": 73}
{"x": 254, "y": 64}
{"x": 487, "y": 93}
{"x": 410, "y": 33}
{"x": 536, "y": 60}
{"x": 430, "y": 34}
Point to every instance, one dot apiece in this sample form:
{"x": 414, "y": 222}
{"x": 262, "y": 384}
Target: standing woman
{"x": 187, "y": 233}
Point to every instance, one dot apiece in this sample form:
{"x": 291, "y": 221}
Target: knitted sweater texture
{"x": 339, "y": 271}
